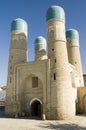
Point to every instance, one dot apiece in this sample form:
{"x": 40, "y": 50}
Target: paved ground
{"x": 75, "y": 123}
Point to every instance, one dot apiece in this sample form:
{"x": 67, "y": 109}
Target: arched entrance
{"x": 36, "y": 108}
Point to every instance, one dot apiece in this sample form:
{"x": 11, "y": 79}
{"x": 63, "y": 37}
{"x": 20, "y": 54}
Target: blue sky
{"x": 34, "y": 12}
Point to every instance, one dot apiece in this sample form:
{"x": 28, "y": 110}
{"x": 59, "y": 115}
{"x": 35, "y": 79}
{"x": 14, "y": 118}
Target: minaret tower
{"x": 72, "y": 36}
{"x": 61, "y": 103}
{"x": 40, "y": 48}
{"x": 17, "y": 54}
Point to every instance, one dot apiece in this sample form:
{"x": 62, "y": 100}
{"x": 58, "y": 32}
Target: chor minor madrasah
{"x": 52, "y": 85}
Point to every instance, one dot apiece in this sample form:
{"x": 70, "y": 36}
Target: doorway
{"x": 84, "y": 104}
{"x": 36, "y": 108}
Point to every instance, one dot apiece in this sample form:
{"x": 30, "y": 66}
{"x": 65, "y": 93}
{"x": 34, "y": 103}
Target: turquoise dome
{"x": 19, "y": 24}
{"x": 72, "y": 33}
{"x": 72, "y": 37}
{"x": 40, "y": 43}
{"x": 55, "y": 12}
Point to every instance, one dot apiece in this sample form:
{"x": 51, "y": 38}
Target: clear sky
{"x": 34, "y": 12}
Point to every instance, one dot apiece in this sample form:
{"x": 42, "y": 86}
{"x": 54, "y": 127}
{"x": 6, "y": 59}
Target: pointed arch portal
{"x": 36, "y": 108}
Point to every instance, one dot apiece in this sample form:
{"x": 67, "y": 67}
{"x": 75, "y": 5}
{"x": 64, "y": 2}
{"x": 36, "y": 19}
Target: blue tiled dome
{"x": 40, "y": 43}
{"x": 19, "y": 24}
{"x": 72, "y": 33}
{"x": 55, "y": 12}
{"x": 72, "y": 37}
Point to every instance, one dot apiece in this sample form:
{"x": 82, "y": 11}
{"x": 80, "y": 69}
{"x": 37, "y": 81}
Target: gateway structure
{"x": 48, "y": 85}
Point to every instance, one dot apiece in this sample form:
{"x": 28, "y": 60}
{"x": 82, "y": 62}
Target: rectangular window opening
{"x": 34, "y": 82}
{"x": 54, "y": 76}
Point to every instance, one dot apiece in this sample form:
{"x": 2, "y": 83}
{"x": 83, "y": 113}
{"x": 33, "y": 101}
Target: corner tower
{"x": 72, "y": 36}
{"x": 17, "y": 54}
{"x": 61, "y": 103}
{"x": 18, "y": 45}
{"x": 40, "y": 48}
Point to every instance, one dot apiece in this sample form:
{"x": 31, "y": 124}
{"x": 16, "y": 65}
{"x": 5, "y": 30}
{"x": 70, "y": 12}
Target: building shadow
{"x": 65, "y": 126}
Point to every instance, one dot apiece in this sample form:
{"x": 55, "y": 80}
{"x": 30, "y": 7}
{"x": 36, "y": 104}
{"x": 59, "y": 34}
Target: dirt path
{"x": 75, "y": 123}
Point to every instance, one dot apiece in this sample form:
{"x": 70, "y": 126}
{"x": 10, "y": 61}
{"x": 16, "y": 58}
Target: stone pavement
{"x": 74, "y": 123}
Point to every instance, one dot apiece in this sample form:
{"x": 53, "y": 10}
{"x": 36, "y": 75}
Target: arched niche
{"x": 32, "y": 81}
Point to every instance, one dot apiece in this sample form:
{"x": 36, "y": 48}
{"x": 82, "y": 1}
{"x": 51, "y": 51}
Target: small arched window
{"x": 51, "y": 35}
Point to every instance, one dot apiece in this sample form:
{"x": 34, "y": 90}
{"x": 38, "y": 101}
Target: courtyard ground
{"x": 74, "y": 123}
